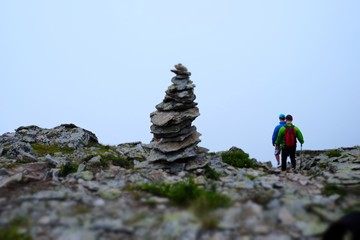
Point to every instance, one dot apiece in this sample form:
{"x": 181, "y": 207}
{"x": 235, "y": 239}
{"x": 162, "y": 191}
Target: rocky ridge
{"x": 98, "y": 199}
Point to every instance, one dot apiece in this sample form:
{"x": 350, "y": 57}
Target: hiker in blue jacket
{"x": 274, "y": 136}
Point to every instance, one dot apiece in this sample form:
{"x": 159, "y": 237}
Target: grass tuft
{"x": 211, "y": 173}
{"x": 187, "y": 193}
{"x": 238, "y": 159}
{"x": 333, "y": 153}
{"x": 67, "y": 168}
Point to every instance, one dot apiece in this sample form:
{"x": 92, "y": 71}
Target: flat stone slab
{"x": 173, "y": 117}
{"x": 176, "y": 146}
{"x": 186, "y": 153}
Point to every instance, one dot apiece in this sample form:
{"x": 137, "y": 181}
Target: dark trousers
{"x": 285, "y": 152}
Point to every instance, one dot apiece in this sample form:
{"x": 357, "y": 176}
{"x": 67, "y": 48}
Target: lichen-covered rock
{"x": 65, "y": 135}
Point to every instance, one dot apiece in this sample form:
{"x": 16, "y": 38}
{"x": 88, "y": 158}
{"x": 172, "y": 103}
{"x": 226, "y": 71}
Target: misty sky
{"x": 104, "y": 65}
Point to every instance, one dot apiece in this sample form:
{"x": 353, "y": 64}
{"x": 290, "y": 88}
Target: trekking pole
{"x": 301, "y": 156}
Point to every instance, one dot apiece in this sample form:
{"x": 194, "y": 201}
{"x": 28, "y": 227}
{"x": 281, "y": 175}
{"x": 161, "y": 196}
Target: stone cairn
{"x": 175, "y": 139}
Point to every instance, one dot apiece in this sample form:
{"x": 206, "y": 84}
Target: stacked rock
{"x": 175, "y": 139}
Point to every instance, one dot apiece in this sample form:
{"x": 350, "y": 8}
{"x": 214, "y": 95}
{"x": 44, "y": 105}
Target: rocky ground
{"x": 61, "y": 183}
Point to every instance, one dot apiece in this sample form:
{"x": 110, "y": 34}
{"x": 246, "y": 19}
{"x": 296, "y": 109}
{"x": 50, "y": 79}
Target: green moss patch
{"x": 118, "y": 161}
{"x": 43, "y": 149}
{"x": 331, "y": 189}
{"x": 15, "y": 229}
{"x": 251, "y": 177}
{"x": 102, "y": 149}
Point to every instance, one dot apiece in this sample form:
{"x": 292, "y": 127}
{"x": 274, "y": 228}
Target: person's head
{"x": 288, "y": 118}
{"x": 282, "y": 117}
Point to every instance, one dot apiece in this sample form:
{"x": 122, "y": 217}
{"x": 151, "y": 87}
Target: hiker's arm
{"x": 299, "y": 136}
{"x": 274, "y": 136}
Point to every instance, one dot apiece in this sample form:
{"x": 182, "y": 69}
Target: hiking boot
{"x": 294, "y": 170}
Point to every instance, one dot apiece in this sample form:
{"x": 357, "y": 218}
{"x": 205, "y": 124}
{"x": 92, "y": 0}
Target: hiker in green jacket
{"x": 286, "y": 140}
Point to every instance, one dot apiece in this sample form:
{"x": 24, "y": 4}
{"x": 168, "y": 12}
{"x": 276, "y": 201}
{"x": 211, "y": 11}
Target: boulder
{"x": 65, "y": 135}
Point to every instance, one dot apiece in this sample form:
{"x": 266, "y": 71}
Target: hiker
{"x": 274, "y": 136}
{"x": 286, "y": 140}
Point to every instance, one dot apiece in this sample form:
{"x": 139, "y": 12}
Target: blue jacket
{"x": 276, "y": 131}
